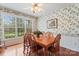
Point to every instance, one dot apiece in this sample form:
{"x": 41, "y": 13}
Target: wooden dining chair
{"x": 30, "y": 44}
{"x": 55, "y": 48}
{"x": 26, "y": 44}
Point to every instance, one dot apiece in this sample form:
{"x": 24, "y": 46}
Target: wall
{"x": 70, "y": 42}
{"x": 68, "y": 25}
{"x": 34, "y": 25}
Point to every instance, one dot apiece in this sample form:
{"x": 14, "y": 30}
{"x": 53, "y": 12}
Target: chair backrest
{"x": 29, "y": 39}
{"x": 44, "y": 33}
{"x": 26, "y": 41}
{"x": 57, "y": 42}
{"x": 33, "y": 36}
{"x": 49, "y": 35}
{"x": 57, "y": 38}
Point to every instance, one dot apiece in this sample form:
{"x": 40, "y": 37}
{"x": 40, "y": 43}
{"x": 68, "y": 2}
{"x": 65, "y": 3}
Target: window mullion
{"x": 16, "y": 32}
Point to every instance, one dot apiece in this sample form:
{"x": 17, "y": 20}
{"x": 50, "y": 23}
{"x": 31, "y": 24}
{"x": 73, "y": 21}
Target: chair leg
{"x": 49, "y": 53}
{"x": 24, "y": 51}
{"x": 29, "y": 53}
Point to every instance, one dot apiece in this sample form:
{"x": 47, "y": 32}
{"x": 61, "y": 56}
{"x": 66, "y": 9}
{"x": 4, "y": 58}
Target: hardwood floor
{"x": 17, "y": 50}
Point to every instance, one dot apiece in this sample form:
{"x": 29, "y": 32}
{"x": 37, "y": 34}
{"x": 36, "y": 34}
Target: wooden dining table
{"x": 45, "y": 43}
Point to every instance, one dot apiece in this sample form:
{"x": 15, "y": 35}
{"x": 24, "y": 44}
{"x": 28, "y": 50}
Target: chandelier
{"x": 36, "y": 7}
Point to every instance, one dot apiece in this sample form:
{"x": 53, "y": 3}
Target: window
{"x": 14, "y": 26}
{"x": 20, "y": 26}
{"x": 9, "y": 26}
{"x": 28, "y": 26}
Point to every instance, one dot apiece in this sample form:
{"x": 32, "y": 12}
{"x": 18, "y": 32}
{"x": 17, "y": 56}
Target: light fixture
{"x": 36, "y": 7}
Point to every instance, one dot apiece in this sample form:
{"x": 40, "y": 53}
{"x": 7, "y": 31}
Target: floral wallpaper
{"x": 68, "y": 20}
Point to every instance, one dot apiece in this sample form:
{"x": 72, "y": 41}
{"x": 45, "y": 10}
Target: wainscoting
{"x": 70, "y": 42}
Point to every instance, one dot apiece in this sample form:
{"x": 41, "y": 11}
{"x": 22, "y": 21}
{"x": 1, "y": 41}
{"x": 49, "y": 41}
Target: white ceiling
{"x": 47, "y": 8}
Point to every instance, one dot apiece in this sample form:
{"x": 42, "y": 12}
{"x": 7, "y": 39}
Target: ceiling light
{"x": 36, "y": 7}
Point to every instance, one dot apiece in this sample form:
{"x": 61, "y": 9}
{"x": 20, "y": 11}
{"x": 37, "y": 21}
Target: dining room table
{"x": 45, "y": 43}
